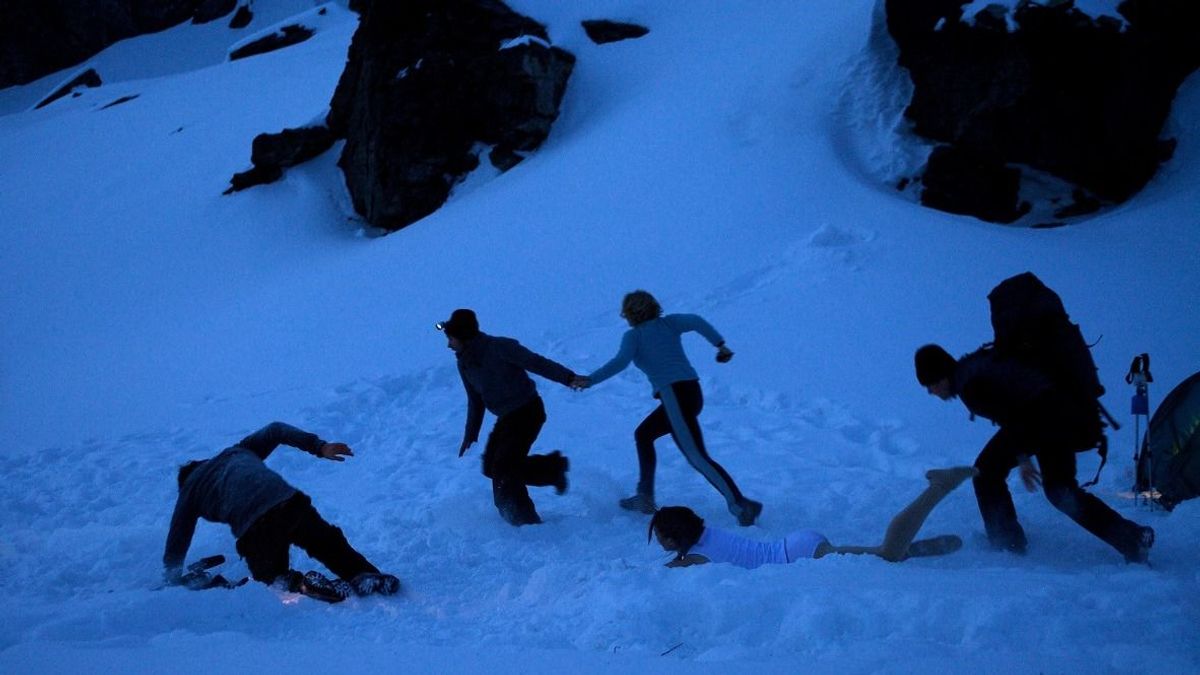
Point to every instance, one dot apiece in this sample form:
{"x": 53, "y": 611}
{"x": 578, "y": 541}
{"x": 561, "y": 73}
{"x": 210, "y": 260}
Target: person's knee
{"x": 1063, "y": 498}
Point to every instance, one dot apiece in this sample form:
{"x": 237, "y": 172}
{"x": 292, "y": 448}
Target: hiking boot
{"x": 560, "y": 483}
{"x": 1141, "y": 550}
{"x": 517, "y": 518}
{"x": 748, "y": 511}
{"x": 642, "y": 503}
{"x": 318, "y": 586}
{"x": 370, "y": 583}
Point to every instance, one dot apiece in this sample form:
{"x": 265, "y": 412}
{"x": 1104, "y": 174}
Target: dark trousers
{"x": 265, "y": 545}
{"x": 682, "y": 404}
{"x": 1057, "y": 466}
{"x": 507, "y": 461}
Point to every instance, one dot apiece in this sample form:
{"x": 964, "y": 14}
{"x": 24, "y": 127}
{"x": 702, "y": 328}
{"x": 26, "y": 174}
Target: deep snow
{"x": 737, "y": 162}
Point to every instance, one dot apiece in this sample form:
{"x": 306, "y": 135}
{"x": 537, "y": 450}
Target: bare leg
{"x": 904, "y": 527}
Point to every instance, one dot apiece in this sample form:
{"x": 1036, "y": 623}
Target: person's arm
{"x": 179, "y": 540}
{"x": 695, "y": 323}
{"x": 517, "y": 354}
{"x": 474, "y": 416}
{"x": 617, "y": 363}
{"x": 264, "y": 441}
{"x": 688, "y": 560}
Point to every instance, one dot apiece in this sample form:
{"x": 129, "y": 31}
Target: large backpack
{"x": 1030, "y": 324}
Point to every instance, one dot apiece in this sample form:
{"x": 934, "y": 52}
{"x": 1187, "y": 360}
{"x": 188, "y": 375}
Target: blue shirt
{"x": 656, "y": 348}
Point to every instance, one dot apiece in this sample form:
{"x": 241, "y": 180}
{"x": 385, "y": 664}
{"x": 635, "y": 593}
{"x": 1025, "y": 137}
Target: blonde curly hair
{"x": 640, "y": 307}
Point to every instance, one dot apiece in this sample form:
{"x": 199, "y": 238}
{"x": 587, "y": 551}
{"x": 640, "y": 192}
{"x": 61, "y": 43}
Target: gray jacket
{"x": 493, "y": 374}
{"x": 234, "y": 488}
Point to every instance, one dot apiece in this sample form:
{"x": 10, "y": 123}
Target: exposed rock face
{"x": 88, "y": 78}
{"x": 211, "y": 10}
{"x": 271, "y": 153}
{"x": 39, "y": 37}
{"x": 1081, "y": 99}
{"x": 959, "y": 181}
{"x": 603, "y": 31}
{"x": 241, "y": 18}
{"x": 426, "y": 82}
{"x": 284, "y": 37}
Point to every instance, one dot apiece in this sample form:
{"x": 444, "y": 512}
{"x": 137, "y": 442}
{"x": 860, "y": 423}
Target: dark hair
{"x": 933, "y": 364}
{"x": 640, "y": 307}
{"x": 186, "y": 470}
{"x": 679, "y": 524}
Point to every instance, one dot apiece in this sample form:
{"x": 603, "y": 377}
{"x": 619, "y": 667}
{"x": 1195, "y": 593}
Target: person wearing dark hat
{"x": 268, "y": 516}
{"x": 1034, "y": 419}
{"x": 494, "y": 375}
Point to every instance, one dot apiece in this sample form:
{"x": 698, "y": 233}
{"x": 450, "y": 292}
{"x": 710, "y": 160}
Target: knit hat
{"x": 933, "y": 364}
{"x": 462, "y": 325}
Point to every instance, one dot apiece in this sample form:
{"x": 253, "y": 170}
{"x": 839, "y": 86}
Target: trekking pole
{"x": 1139, "y": 406}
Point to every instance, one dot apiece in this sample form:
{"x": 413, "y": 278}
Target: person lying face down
{"x": 680, "y": 531}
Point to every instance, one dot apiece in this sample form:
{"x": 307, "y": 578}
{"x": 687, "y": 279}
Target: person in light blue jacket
{"x": 653, "y": 344}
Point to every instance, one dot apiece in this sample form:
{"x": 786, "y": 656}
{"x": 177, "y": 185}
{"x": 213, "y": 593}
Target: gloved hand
{"x": 724, "y": 354}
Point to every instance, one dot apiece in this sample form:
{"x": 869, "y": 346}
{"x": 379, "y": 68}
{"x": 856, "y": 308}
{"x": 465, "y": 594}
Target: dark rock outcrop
{"x": 957, "y": 180}
{"x": 284, "y": 37}
{"x": 272, "y": 153}
{"x": 211, "y": 10}
{"x": 88, "y": 78}
{"x": 241, "y": 18}
{"x": 1081, "y": 99}
{"x": 39, "y": 37}
{"x": 428, "y": 81}
{"x": 603, "y": 31}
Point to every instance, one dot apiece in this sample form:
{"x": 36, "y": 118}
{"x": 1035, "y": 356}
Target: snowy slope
{"x": 737, "y": 162}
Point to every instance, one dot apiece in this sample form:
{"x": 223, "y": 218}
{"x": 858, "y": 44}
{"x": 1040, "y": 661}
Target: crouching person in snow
{"x": 267, "y": 515}
{"x": 682, "y": 532}
{"x": 1035, "y": 418}
{"x": 653, "y": 343}
{"x": 493, "y": 371}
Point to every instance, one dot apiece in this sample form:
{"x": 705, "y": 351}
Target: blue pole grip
{"x": 1139, "y": 405}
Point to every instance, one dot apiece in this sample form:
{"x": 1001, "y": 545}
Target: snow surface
{"x": 738, "y": 162}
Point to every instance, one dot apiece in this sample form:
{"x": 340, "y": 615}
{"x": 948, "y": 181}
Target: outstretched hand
{"x": 579, "y": 383}
{"x": 724, "y": 354}
{"x": 336, "y": 452}
{"x": 1030, "y": 476}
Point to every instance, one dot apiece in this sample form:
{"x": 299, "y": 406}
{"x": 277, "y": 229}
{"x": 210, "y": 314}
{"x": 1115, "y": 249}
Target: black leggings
{"x": 265, "y": 545}
{"x": 677, "y": 415}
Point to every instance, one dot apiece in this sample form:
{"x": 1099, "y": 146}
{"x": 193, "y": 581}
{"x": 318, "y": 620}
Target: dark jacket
{"x": 234, "y": 488}
{"x": 1002, "y": 390}
{"x": 493, "y": 374}
{"x": 1025, "y": 402}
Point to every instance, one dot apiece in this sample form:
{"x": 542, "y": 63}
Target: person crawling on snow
{"x": 268, "y": 516}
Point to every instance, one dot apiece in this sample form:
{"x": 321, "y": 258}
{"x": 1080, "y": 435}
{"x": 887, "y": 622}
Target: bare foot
{"x": 952, "y": 477}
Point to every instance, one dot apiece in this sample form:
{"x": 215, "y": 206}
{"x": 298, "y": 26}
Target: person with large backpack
{"x": 1038, "y": 383}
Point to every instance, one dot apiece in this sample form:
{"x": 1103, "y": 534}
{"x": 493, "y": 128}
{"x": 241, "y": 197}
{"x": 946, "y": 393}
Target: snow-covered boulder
{"x": 1078, "y": 92}
{"x": 426, "y": 84}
